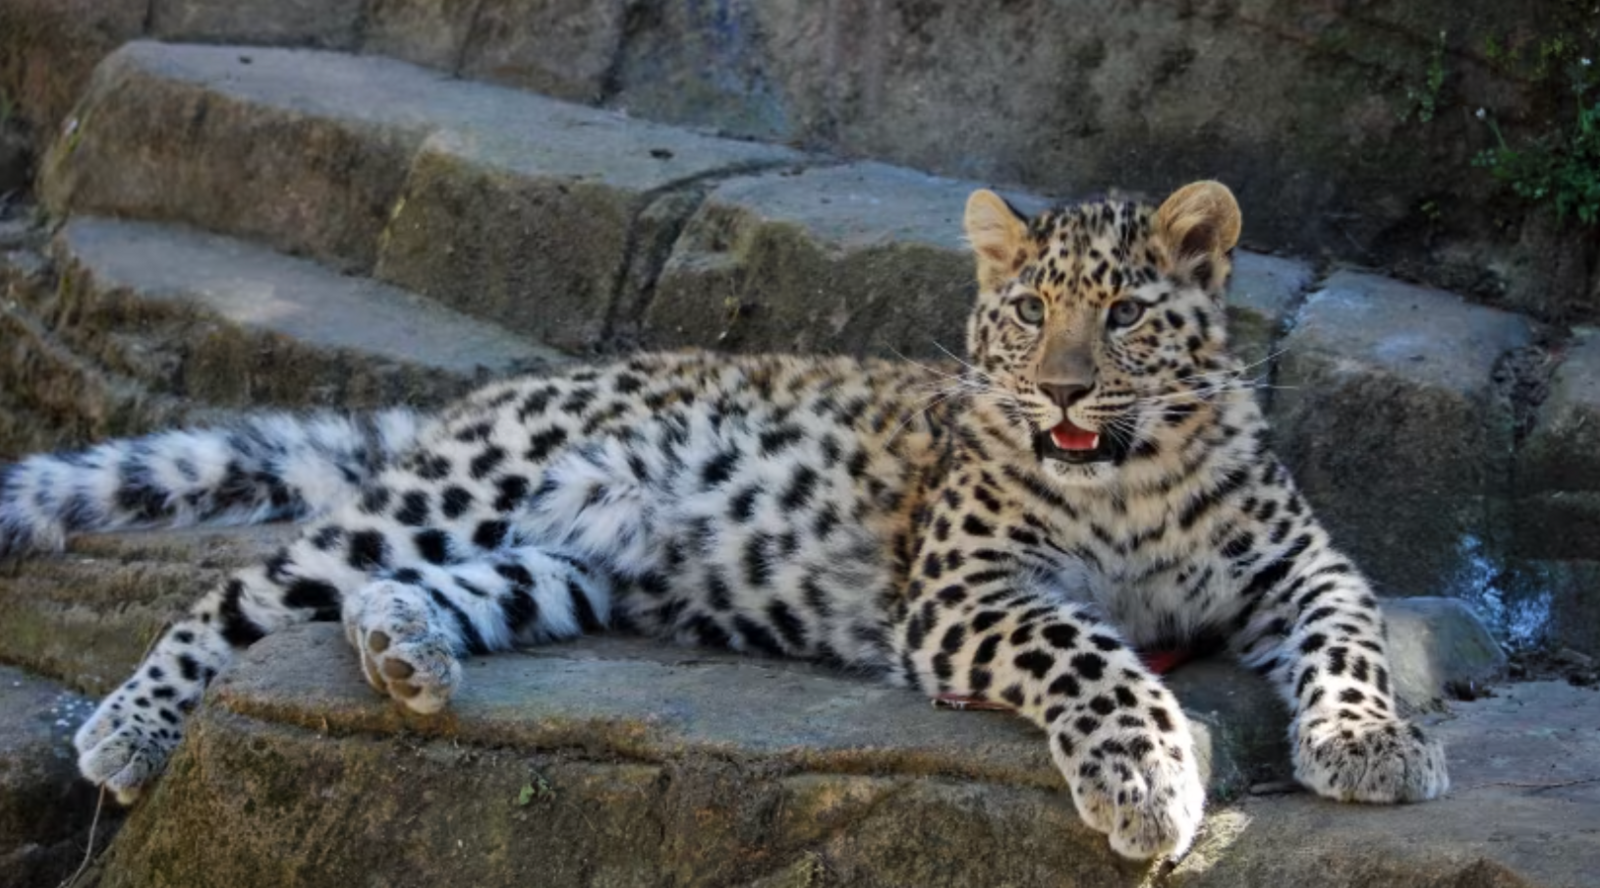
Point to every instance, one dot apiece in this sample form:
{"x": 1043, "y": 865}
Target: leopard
{"x": 1094, "y": 480}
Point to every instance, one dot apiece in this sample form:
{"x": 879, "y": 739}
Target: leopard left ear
{"x": 998, "y": 235}
{"x": 1200, "y": 225}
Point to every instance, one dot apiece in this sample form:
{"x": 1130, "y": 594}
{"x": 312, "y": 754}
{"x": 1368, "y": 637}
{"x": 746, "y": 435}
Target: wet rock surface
{"x": 1387, "y": 417}
{"x": 45, "y": 809}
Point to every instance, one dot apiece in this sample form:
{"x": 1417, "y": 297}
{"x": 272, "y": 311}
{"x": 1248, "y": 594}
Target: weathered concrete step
{"x": 866, "y": 257}
{"x": 229, "y": 323}
{"x": 515, "y": 207}
{"x": 45, "y": 809}
{"x": 627, "y": 763}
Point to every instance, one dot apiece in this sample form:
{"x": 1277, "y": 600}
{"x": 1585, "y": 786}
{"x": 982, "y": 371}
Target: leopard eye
{"x": 1030, "y": 309}
{"x": 1125, "y": 313}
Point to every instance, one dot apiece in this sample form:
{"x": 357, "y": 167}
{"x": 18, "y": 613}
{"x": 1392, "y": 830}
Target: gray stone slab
{"x": 1388, "y": 416}
{"x": 865, "y": 257}
{"x": 856, "y": 258}
{"x": 1435, "y": 643}
{"x": 518, "y": 201}
{"x": 231, "y": 140}
{"x": 1262, "y": 294}
{"x": 529, "y": 216}
{"x": 631, "y": 762}
{"x": 257, "y": 289}
{"x": 1562, "y": 451}
{"x": 45, "y": 808}
{"x": 560, "y": 48}
{"x": 333, "y": 24}
{"x": 424, "y": 32}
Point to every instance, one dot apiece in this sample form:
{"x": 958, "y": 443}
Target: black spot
{"x": 237, "y": 629}
{"x": 954, "y": 638}
{"x": 743, "y": 504}
{"x": 413, "y": 510}
{"x": 577, "y": 402}
{"x": 432, "y": 467}
{"x": 757, "y": 563}
{"x": 490, "y": 535}
{"x": 1352, "y": 696}
{"x": 1104, "y": 642}
{"x": 788, "y": 625}
{"x": 986, "y": 619}
{"x": 775, "y": 440}
{"x": 1038, "y": 663}
{"x": 513, "y": 489}
{"x": 627, "y": 384}
{"x": 1060, "y": 635}
{"x": 318, "y": 596}
{"x": 1090, "y": 666}
{"x": 1162, "y": 718}
{"x": 486, "y": 462}
{"x": 800, "y": 488}
{"x": 469, "y": 633}
{"x": 454, "y": 501}
{"x": 756, "y": 636}
{"x": 369, "y": 550}
{"x": 1102, "y": 705}
{"x": 583, "y": 609}
{"x": 720, "y": 467}
{"x": 986, "y": 650}
{"x": 188, "y": 668}
{"x": 374, "y": 499}
{"x": 433, "y": 546}
{"x": 541, "y": 445}
{"x": 1013, "y": 695}
{"x": 1313, "y": 643}
{"x": 1065, "y": 686}
{"x": 1125, "y": 697}
{"x": 976, "y": 527}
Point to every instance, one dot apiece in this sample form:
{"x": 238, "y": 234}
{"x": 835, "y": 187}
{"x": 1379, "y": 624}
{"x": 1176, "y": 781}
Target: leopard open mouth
{"x": 1070, "y": 443}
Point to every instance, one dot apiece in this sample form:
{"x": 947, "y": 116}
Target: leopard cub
{"x": 1093, "y": 480}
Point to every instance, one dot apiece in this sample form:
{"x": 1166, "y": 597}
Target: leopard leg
{"x": 1119, "y": 738}
{"x": 411, "y": 627}
{"x": 126, "y": 741}
{"x": 1319, "y": 636}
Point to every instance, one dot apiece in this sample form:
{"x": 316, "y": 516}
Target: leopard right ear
{"x": 999, "y": 236}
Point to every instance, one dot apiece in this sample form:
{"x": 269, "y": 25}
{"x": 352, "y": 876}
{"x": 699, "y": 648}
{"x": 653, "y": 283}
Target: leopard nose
{"x": 1064, "y": 394}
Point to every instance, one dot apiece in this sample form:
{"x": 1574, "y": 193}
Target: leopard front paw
{"x": 1379, "y": 761}
{"x": 1139, "y": 787}
{"x": 125, "y": 745}
{"x": 402, "y": 655}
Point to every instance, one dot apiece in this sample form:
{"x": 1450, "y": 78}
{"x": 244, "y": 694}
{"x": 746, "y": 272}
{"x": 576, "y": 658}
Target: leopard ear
{"x": 998, "y": 234}
{"x": 1200, "y": 225}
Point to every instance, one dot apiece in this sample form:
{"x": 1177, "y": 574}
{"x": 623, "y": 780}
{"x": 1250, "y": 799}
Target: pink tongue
{"x": 1069, "y": 437}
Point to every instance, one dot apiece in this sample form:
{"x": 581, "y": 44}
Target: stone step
{"x": 230, "y": 323}
{"x": 623, "y": 762}
{"x": 88, "y": 616}
{"x": 513, "y": 207}
{"x": 568, "y": 223}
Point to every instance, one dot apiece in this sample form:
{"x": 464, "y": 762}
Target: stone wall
{"x": 1321, "y": 116}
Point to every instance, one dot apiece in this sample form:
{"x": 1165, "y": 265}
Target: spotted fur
{"x": 951, "y": 531}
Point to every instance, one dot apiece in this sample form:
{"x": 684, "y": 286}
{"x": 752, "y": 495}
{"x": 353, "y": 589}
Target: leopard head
{"x": 1098, "y": 334}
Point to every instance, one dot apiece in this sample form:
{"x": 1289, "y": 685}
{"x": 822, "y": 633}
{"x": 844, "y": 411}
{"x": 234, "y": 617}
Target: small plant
{"x": 1559, "y": 165}
{"x": 1562, "y": 169}
{"x": 536, "y": 788}
{"x": 1426, "y": 99}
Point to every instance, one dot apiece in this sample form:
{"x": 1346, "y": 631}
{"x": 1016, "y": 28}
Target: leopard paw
{"x": 124, "y": 746}
{"x": 1382, "y": 762}
{"x": 402, "y": 655}
{"x": 1140, "y": 788}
